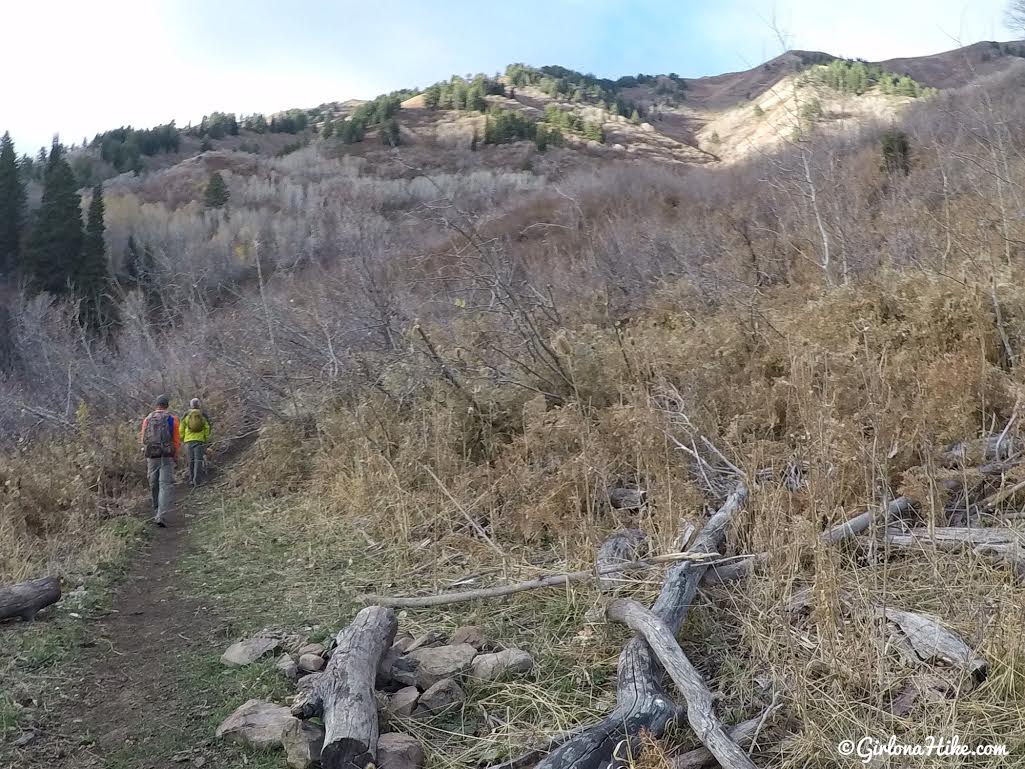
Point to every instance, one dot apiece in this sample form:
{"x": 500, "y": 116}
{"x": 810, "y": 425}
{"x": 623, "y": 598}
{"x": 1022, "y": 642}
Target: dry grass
{"x": 863, "y": 387}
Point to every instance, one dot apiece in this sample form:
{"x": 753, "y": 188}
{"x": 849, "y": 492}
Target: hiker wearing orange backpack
{"x": 160, "y": 444}
{"x": 195, "y": 434}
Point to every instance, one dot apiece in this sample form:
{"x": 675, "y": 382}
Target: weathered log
{"x": 1003, "y": 546}
{"x": 25, "y": 599}
{"x": 641, "y": 698}
{"x": 860, "y": 523}
{"x": 620, "y": 548}
{"x": 926, "y": 640}
{"x": 743, "y": 734}
{"x": 700, "y": 707}
{"x": 344, "y": 692}
{"x": 555, "y": 580}
{"x": 995, "y": 447}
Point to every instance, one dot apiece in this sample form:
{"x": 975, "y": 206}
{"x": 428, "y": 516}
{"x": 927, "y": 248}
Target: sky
{"x": 81, "y": 67}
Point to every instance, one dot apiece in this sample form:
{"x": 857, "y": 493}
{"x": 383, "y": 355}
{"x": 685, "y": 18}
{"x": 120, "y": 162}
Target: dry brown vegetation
{"x": 466, "y": 353}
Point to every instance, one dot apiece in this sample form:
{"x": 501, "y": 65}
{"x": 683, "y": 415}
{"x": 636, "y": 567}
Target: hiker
{"x": 195, "y": 434}
{"x": 160, "y": 443}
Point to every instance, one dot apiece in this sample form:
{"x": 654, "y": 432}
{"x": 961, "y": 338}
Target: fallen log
{"x": 344, "y": 692}
{"x": 642, "y": 701}
{"x": 700, "y": 707}
{"x": 555, "y": 580}
{"x": 860, "y": 523}
{"x": 743, "y": 734}
{"x": 25, "y": 599}
{"x": 1003, "y": 546}
{"x": 620, "y": 548}
{"x": 928, "y": 641}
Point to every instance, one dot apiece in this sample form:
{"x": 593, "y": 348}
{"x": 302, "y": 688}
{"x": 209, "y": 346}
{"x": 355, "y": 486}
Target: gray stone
{"x": 317, "y": 649}
{"x": 307, "y": 682}
{"x": 491, "y": 667}
{"x": 442, "y": 696}
{"x": 257, "y": 723}
{"x": 249, "y": 651}
{"x": 287, "y": 667}
{"x": 399, "y": 751}
{"x": 303, "y": 741}
{"x": 384, "y": 668}
{"x": 430, "y": 638}
{"x": 425, "y": 667}
{"x": 403, "y": 702}
{"x": 311, "y": 663}
{"x": 469, "y": 634}
{"x": 402, "y": 643}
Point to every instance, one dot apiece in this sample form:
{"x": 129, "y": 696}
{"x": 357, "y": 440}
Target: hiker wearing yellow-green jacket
{"x": 195, "y": 434}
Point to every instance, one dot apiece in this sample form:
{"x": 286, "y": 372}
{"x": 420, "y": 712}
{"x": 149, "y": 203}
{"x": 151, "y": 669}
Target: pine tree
{"x": 217, "y": 193}
{"x": 92, "y": 278}
{"x": 12, "y": 205}
{"x": 896, "y": 152}
{"x": 55, "y": 245}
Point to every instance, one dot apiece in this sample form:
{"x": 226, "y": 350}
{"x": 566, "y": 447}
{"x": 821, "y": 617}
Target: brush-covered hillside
{"x": 759, "y": 337}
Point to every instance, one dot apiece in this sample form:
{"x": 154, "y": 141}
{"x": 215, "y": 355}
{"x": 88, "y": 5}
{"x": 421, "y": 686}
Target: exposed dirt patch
{"x": 123, "y": 693}
{"x": 129, "y": 700}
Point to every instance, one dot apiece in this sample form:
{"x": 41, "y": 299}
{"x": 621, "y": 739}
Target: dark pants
{"x": 161, "y": 481}
{"x": 197, "y": 462}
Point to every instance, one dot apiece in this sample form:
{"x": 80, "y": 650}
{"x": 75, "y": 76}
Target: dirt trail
{"x": 125, "y": 705}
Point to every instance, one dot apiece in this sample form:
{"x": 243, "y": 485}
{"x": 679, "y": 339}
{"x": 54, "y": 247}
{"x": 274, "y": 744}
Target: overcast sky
{"x": 79, "y": 67}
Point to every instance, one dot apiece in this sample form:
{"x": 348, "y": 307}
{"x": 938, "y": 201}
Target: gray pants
{"x": 161, "y": 482}
{"x": 197, "y": 464}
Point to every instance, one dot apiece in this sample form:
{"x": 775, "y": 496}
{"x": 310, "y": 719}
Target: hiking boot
{"x": 160, "y": 523}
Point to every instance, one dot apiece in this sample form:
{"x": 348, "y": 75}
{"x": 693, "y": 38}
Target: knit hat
{"x": 194, "y": 403}
{"x": 163, "y": 402}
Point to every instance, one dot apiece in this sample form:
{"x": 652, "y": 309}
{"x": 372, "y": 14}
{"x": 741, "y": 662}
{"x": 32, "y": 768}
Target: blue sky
{"x": 80, "y": 67}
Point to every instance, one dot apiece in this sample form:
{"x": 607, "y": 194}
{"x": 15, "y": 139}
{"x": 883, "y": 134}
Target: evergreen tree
{"x": 12, "y": 205}
{"x": 55, "y": 245}
{"x": 896, "y": 152}
{"x": 92, "y": 278}
{"x": 390, "y": 132}
{"x": 216, "y": 194}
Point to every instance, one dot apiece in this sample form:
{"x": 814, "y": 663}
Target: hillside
{"x": 492, "y": 367}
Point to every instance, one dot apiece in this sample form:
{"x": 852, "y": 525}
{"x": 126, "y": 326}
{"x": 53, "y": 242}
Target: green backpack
{"x": 195, "y": 421}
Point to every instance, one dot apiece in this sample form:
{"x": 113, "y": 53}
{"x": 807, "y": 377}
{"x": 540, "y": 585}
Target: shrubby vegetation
{"x": 855, "y": 76}
{"x": 570, "y": 85}
{"x": 514, "y": 344}
{"x": 459, "y": 93}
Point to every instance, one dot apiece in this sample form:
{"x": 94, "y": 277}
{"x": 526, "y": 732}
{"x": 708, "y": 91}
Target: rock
{"x": 311, "y": 663}
{"x": 257, "y": 723}
{"x": 440, "y": 697}
{"x": 491, "y": 667}
{"x": 307, "y": 682}
{"x": 399, "y": 751}
{"x": 317, "y": 649}
{"x": 469, "y": 634}
{"x": 303, "y": 741}
{"x": 623, "y": 498}
{"x": 403, "y": 702}
{"x": 430, "y": 638}
{"x": 287, "y": 667}
{"x": 249, "y": 651}
{"x": 402, "y": 643}
{"x": 384, "y": 668}
{"x": 425, "y": 667}
{"x": 24, "y": 739}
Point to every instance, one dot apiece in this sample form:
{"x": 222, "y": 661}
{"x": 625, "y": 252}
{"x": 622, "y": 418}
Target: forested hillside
{"x": 476, "y": 330}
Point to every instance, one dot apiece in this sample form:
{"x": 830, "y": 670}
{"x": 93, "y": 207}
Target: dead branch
{"x": 700, "y": 707}
{"x": 642, "y": 702}
{"x": 554, "y": 580}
